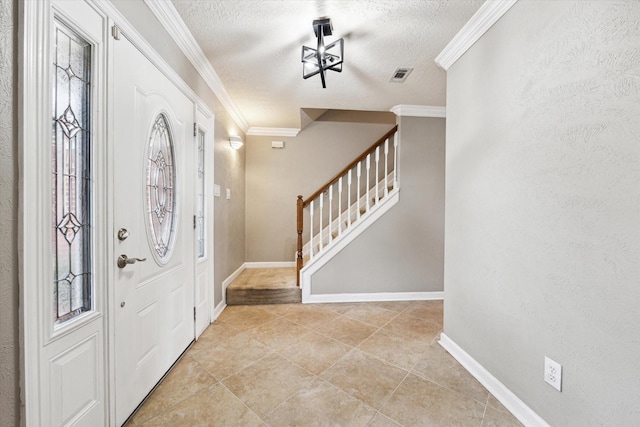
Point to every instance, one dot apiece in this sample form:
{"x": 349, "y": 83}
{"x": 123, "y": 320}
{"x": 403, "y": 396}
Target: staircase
{"x": 327, "y": 221}
{"x": 346, "y": 205}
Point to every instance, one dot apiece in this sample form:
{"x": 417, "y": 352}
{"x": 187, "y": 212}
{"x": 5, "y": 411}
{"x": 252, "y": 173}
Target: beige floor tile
{"x": 331, "y": 407}
{"x": 344, "y": 329}
{"x": 214, "y": 406}
{"x": 496, "y": 418}
{"x": 398, "y": 350}
{"x": 397, "y": 306}
{"x": 381, "y": 421}
{"x": 413, "y": 327}
{"x": 226, "y": 358}
{"x": 215, "y": 333}
{"x": 244, "y": 317}
{"x": 418, "y": 402}
{"x": 429, "y": 310}
{"x": 365, "y": 377}
{"x": 339, "y": 307}
{"x": 186, "y": 379}
{"x": 371, "y": 314}
{"x": 309, "y": 315}
{"x": 278, "y": 333}
{"x": 440, "y": 367}
{"x": 315, "y": 352}
{"x": 267, "y": 383}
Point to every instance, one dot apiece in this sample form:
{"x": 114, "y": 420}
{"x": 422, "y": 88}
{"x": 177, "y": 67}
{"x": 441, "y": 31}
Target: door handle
{"x": 123, "y": 260}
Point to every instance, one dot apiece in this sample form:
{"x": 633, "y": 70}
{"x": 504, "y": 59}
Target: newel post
{"x": 300, "y": 206}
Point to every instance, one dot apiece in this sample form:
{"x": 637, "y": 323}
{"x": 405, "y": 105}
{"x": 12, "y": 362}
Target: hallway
{"x": 352, "y": 364}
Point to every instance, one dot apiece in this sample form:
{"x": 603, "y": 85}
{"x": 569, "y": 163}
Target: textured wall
{"x": 9, "y": 402}
{"x": 229, "y": 166}
{"x": 275, "y": 177}
{"x": 543, "y": 207}
{"x": 404, "y": 250}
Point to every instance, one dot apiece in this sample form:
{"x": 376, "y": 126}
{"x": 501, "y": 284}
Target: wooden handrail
{"x": 302, "y": 203}
{"x": 358, "y": 159}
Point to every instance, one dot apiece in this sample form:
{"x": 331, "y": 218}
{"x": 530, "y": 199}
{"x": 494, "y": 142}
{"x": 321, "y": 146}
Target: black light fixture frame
{"x": 323, "y": 58}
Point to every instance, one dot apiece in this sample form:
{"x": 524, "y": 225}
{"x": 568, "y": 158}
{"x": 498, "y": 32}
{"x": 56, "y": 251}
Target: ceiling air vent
{"x": 400, "y": 75}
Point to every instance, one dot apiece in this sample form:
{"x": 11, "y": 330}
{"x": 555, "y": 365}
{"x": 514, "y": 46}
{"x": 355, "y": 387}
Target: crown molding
{"x": 488, "y": 14}
{"x": 258, "y": 131}
{"x": 175, "y": 26}
{"x": 419, "y": 111}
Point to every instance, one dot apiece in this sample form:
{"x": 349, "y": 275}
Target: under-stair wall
{"x": 401, "y": 255}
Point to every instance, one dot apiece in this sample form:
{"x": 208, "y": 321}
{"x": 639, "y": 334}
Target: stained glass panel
{"x": 200, "y": 216}
{"x": 161, "y": 188}
{"x": 71, "y": 176}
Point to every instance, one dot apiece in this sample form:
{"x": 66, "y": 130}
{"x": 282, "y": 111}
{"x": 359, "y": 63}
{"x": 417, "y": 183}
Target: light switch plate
{"x": 228, "y": 194}
{"x": 216, "y": 190}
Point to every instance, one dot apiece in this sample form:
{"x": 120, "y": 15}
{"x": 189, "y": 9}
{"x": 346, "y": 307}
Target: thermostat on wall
{"x": 277, "y": 144}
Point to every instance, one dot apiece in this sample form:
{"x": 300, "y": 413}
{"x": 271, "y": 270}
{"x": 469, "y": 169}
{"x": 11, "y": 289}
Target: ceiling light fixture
{"x": 323, "y": 58}
{"x": 235, "y": 142}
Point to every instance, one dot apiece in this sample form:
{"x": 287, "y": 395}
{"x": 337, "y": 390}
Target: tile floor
{"x": 366, "y": 364}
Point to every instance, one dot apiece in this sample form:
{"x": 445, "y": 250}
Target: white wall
{"x": 404, "y": 250}
{"x": 542, "y": 236}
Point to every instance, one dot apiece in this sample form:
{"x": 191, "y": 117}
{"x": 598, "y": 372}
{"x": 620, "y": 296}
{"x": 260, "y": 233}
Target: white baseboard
{"x": 505, "y": 396}
{"x": 218, "y": 310}
{"x": 231, "y": 278}
{"x": 379, "y": 296}
{"x": 269, "y": 264}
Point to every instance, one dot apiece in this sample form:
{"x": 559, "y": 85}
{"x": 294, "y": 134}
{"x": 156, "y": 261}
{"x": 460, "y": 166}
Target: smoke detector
{"x": 400, "y": 75}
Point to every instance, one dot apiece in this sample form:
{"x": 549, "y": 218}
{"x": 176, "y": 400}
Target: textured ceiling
{"x": 255, "y": 47}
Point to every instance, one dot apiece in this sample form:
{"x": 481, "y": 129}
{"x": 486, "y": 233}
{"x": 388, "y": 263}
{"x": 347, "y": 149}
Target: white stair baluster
{"x": 386, "y": 167}
{"x": 349, "y": 198}
{"x": 311, "y": 230}
{"x": 395, "y": 160}
{"x": 330, "y": 224}
{"x": 366, "y": 202}
{"x": 320, "y": 242}
{"x": 359, "y": 172}
{"x": 377, "y": 174}
{"x": 340, "y": 206}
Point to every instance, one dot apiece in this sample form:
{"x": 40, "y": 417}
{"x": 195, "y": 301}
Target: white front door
{"x": 154, "y": 249}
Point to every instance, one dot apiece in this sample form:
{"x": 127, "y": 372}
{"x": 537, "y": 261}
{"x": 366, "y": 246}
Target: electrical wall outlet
{"x": 553, "y": 373}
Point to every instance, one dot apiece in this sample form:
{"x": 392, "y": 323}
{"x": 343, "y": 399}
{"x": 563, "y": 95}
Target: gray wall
{"x": 9, "y": 356}
{"x": 229, "y": 164}
{"x": 543, "y": 207}
{"x": 275, "y": 177}
{"x": 404, "y": 250}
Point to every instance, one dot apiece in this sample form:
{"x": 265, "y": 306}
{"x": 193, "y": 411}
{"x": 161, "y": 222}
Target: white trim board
{"x": 505, "y": 396}
{"x": 218, "y": 310}
{"x": 226, "y": 282}
{"x": 488, "y": 14}
{"x": 419, "y": 111}
{"x": 175, "y": 26}
{"x": 376, "y": 296}
{"x": 262, "y": 131}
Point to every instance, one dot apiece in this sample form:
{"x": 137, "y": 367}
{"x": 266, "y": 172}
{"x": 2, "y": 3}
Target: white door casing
{"x": 154, "y": 299}
{"x": 203, "y": 136}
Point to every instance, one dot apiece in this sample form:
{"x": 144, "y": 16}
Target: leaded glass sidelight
{"x": 200, "y": 216}
{"x": 161, "y": 188}
{"x": 71, "y": 175}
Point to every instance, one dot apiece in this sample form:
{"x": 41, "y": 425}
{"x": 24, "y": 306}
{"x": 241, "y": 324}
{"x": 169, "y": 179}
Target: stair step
{"x": 263, "y": 296}
{"x": 264, "y": 286}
